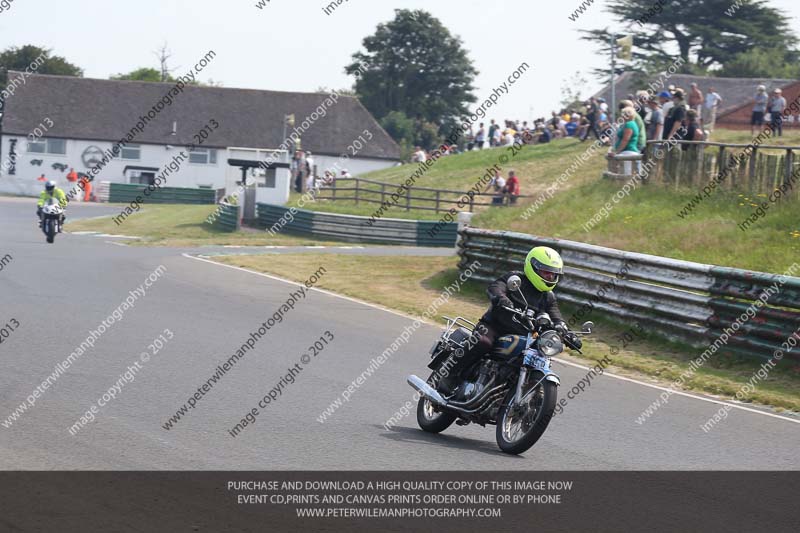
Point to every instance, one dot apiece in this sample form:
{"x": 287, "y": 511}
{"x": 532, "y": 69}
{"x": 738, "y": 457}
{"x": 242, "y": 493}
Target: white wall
{"x": 356, "y": 166}
{"x": 217, "y": 176}
{"x": 24, "y": 181}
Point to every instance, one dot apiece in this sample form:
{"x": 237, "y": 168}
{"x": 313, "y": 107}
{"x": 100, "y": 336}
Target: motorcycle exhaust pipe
{"x": 469, "y": 412}
{"x": 426, "y": 390}
{"x": 478, "y": 400}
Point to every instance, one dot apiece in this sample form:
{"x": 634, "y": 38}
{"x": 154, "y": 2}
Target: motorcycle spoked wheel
{"x": 428, "y": 418}
{"x": 519, "y": 427}
{"x": 50, "y": 230}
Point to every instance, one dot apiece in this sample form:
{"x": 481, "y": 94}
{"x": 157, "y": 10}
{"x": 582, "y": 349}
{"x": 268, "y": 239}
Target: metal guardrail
{"x": 681, "y": 300}
{"x": 353, "y": 228}
{"x": 227, "y": 218}
{"x": 125, "y": 193}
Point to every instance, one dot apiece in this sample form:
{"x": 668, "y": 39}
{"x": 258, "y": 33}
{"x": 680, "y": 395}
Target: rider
{"x": 51, "y": 191}
{"x": 542, "y": 272}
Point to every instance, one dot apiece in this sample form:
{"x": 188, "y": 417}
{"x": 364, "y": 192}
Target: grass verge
{"x": 647, "y": 221}
{"x": 185, "y": 225}
{"x": 407, "y": 284}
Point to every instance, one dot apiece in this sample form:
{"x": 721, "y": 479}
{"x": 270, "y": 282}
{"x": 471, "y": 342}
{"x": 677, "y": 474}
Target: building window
{"x": 48, "y": 146}
{"x": 131, "y": 151}
{"x": 203, "y": 156}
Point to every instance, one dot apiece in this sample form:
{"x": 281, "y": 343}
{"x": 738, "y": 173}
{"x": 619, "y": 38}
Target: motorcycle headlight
{"x": 550, "y": 344}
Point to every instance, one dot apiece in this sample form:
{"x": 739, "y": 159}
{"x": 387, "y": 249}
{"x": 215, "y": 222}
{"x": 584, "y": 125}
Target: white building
{"x": 130, "y": 131}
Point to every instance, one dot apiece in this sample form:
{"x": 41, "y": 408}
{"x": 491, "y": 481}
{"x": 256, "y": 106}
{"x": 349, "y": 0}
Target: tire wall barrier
{"x": 352, "y": 228}
{"x": 125, "y": 193}
{"x": 683, "y": 301}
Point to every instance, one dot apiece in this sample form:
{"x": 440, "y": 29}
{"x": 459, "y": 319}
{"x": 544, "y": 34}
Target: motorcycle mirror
{"x": 587, "y": 327}
{"x": 514, "y": 283}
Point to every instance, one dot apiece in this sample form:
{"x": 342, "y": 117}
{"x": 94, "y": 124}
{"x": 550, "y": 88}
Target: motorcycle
{"x": 50, "y": 221}
{"x": 513, "y": 387}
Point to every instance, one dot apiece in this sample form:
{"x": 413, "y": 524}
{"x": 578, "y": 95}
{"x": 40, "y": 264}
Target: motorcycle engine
{"x": 471, "y": 389}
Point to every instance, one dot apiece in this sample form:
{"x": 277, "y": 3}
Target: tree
{"x": 571, "y": 90}
{"x": 141, "y": 74}
{"x": 413, "y": 64}
{"x": 34, "y": 59}
{"x": 702, "y": 32}
{"x": 762, "y": 63}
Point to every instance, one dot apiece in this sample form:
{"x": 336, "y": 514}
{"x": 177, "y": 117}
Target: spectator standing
{"x": 627, "y": 135}
{"x": 777, "y": 105}
{"x": 696, "y": 98}
{"x": 713, "y": 101}
{"x": 642, "y": 138}
{"x": 419, "y": 155}
{"x": 759, "y": 108}
{"x": 310, "y": 171}
{"x": 493, "y": 129}
{"x": 674, "y": 121}
{"x": 641, "y": 104}
{"x": 655, "y": 129}
{"x": 665, "y": 99}
{"x": 480, "y": 137}
{"x": 499, "y": 188}
{"x": 694, "y": 130}
{"x": 512, "y": 187}
{"x": 592, "y": 112}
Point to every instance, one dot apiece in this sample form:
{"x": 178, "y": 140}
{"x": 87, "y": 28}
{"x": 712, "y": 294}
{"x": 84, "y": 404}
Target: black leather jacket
{"x": 501, "y": 320}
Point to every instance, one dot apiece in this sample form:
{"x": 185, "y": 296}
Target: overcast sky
{"x": 293, "y": 45}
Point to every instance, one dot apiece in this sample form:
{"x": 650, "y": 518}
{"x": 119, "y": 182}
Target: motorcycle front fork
{"x": 523, "y": 377}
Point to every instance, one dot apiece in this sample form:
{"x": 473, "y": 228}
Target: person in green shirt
{"x": 642, "y": 141}
{"x": 628, "y": 134}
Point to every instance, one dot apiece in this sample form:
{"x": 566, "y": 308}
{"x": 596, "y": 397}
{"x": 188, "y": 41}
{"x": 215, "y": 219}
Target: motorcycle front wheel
{"x": 428, "y": 418}
{"x": 50, "y": 230}
{"x": 521, "y": 425}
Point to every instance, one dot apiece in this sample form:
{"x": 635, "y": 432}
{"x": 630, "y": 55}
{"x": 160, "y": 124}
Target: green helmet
{"x": 543, "y": 268}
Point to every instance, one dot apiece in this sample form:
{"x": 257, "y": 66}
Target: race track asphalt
{"x": 59, "y": 292}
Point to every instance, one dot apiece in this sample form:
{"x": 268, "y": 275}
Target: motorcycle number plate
{"x": 534, "y": 359}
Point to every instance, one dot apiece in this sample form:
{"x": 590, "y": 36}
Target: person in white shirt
{"x": 480, "y": 137}
{"x": 713, "y": 101}
{"x": 419, "y": 155}
{"x": 498, "y": 136}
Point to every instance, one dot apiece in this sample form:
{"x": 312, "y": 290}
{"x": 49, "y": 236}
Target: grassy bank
{"x": 410, "y": 284}
{"x": 647, "y": 221}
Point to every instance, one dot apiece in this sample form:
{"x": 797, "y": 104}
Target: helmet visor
{"x": 548, "y": 273}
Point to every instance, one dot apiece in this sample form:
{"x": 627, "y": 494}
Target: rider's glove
{"x": 503, "y": 301}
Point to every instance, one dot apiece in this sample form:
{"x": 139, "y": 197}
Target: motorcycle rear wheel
{"x": 516, "y": 430}
{"x": 428, "y": 418}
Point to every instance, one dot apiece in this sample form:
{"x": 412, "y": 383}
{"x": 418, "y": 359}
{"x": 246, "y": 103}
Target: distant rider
{"x": 51, "y": 191}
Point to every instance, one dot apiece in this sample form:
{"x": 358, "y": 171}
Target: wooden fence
{"x": 438, "y": 200}
{"x": 766, "y": 168}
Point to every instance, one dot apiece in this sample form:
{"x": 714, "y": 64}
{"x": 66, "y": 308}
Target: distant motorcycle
{"x": 51, "y": 219}
{"x": 512, "y": 387}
